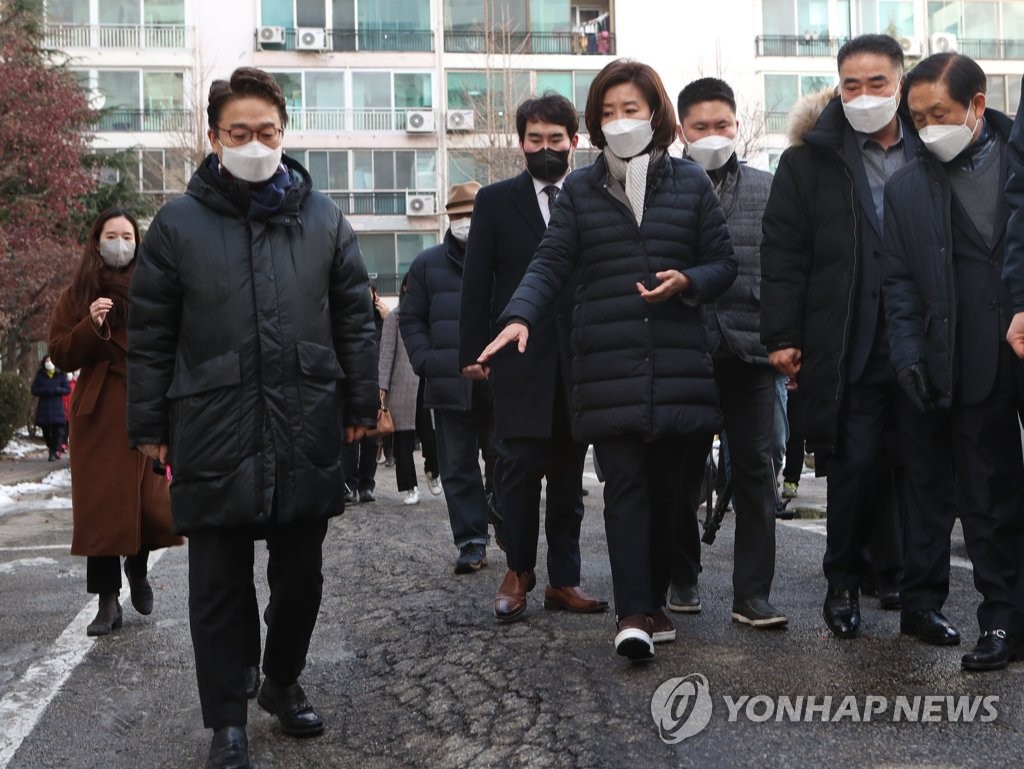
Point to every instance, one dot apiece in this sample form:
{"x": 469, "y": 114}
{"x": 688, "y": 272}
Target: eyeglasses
{"x": 269, "y": 135}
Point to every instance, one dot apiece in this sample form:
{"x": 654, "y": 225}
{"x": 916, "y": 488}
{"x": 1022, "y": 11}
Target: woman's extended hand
{"x": 513, "y": 332}
{"x": 98, "y": 310}
{"x": 672, "y": 282}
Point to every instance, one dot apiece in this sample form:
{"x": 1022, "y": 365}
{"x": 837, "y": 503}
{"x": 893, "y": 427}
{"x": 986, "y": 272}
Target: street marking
{"x": 23, "y": 548}
{"x": 23, "y": 706}
{"x": 819, "y": 528}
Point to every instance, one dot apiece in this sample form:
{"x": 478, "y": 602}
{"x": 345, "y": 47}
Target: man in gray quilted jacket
{"x": 746, "y": 382}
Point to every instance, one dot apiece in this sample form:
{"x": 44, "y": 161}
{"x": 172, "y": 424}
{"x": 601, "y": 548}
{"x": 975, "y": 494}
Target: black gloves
{"x": 915, "y": 383}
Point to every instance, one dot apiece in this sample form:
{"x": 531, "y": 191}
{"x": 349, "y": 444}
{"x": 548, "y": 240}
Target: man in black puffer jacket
{"x": 463, "y": 409}
{"x": 746, "y": 383}
{"x": 251, "y": 361}
{"x": 821, "y": 307}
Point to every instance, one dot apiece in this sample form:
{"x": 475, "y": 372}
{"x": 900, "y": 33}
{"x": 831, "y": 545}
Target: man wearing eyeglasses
{"x": 251, "y": 361}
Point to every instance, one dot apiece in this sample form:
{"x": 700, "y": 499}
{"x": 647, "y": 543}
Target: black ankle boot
{"x": 142, "y": 591}
{"x": 109, "y": 616}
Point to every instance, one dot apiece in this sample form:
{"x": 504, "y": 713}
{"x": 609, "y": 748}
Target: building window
{"x": 354, "y": 25}
{"x": 493, "y": 95}
{"x": 1004, "y": 93}
{"x": 527, "y": 26}
{"x": 333, "y": 100}
{"x": 809, "y": 19}
{"x": 781, "y": 93}
{"x": 891, "y": 17}
{"x": 162, "y": 172}
{"x": 984, "y": 30}
{"x": 387, "y": 255}
{"x": 115, "y": 23}
{"x": 133, "y": 100}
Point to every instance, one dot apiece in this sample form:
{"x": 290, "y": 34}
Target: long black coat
{"x": 507, "y": 228}
{"x": 920, "y": 285}
{"x": 50, "y": 390}
{"x": 638, "y": 368}
{"x": 251, "y": 347}
{"x": 428, "y": 318}
{"x": 809, "y": 260}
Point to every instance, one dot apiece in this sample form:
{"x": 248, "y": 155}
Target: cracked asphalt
{"x": 409, "y": 668}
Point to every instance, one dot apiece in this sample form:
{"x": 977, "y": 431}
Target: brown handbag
{"x": 385, "y": 424}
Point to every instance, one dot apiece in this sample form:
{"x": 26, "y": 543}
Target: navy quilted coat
{"x": 638, "y": 368}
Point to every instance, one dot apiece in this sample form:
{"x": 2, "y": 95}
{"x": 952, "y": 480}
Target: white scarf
{"x": 632, "y": 174}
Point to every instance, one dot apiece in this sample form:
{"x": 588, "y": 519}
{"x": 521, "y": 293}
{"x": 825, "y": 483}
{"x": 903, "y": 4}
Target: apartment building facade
{"x": 392, "y": 101}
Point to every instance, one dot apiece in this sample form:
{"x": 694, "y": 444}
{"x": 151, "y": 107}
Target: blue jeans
{"x": 458, "y": 452}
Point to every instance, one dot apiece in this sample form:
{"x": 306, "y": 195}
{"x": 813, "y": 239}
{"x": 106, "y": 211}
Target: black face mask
{"x": 547, "y": 164}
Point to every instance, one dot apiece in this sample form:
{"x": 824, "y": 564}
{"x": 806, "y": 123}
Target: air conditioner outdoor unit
{"x": 419, "y": 205}
{"x": 911, "y": 46}
{"x": 271, "y": 35}
{"x": 419, "y": 121}
{"x": 309, "y": 39}
{"x": 460, "y": 120}
{"x": 942, "y": 42}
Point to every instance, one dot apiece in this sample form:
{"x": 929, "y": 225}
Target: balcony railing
{"x": 116, "y": 120}
{"x": 991, "y": 49}
{"x": 388, "y": 283}
{"x": 775, "y": 122}
{"x": 375, "y": 203}
{"x": 116, "y": 36}
{"x": 332, "y": 119}
{"x": 601, "y": 44}
{"x": 355, "y": 40}
{"x": 798, "y": 45}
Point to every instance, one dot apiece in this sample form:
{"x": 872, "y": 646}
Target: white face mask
{"x": 947, "y": 141}
{"x": 711, "y": 152}
{"x": 117, "y": 253}
{"x": 870, "y": 114}
{"x": 627, "y": 137}
{"x": 252, "y": 162}
{"x": 49, "y": 367}
{"x": 460, "y": 229}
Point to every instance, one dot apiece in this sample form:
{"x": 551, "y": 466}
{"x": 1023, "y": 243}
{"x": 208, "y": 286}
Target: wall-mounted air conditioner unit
{"x": 419, "y": 205}
{"x": 912, "y": 47}
{"x": 460, "y": 120}
{"x": 419, "y": 121}
{"x": 271, "y": 35}
{"x": 310, "y": 39}
{"x": 941, "y": 42}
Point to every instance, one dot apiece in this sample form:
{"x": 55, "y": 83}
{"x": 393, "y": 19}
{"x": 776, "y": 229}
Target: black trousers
{"x": 404, "y": 442}
{"x": 857, "y": 473}
{"x": 985, "y": 445}
{"x": 747, "y": 395}
{"x": 222, "y": 612}
{"x": 425, "y": 432}
{"x": 54, "y": 436}
{"x": 359, "y": 461}
{"x": 647, "y": 485}
{"x": 103, "y": 572}
{"x": 522, "y": 463}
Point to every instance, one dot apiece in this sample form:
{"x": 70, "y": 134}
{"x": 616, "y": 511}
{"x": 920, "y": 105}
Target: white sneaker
{"x": 434, "y": 484}
{"x": 412, "y": 498}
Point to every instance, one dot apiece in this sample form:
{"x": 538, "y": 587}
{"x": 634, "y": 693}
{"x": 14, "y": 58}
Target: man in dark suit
{"x": 531, "y": 390}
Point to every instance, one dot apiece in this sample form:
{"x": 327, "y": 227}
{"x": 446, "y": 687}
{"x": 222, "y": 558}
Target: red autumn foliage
{"x": 44, "y": 120}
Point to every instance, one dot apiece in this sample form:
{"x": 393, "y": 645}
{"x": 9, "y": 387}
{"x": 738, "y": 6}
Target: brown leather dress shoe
{"x": 572, "y": 599}
{"x": 510, "y": 600}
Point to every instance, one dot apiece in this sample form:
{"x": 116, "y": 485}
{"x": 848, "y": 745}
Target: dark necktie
{"x": 552, "y": 192}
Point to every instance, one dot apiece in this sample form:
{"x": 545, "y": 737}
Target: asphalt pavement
{"x": 409, "y": 668}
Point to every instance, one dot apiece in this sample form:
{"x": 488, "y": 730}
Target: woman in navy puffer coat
{"x": 649, "y": 238}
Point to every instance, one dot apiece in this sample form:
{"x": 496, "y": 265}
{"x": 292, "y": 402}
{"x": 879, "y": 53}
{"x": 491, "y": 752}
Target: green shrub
{"x": 14, "y": 400}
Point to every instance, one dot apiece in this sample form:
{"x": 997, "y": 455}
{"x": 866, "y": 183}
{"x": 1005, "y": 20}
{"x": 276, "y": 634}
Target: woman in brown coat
{"x": 120, "y": 506}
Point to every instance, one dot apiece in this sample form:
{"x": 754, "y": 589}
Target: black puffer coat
{"x": 809, "y": 259}
{"x": 429, "y": 321}
{"x": 638, "y": 368}
{"x": 250, "y": 348}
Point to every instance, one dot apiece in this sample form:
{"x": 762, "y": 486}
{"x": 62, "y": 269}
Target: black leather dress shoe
{"x": 252, "y": 681}
{"x": 929, "y": 626}
{"x": 994, "y": 651}
{"x": 293, "y": 711}
{"x": 229, "y": 749}
{"x": 842, "y": 612}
